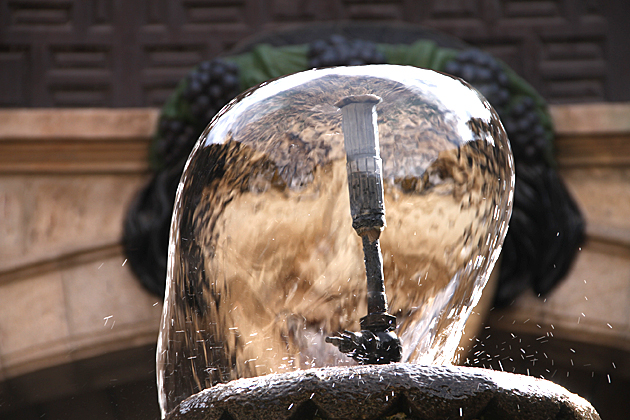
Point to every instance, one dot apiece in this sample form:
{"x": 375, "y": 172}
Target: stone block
{"x": 47, "y": 217}
{"x": 80, "y": 123}
{"x": 33, "y": 319}
{"x": 603, "y": 193}
{"x": 596, "y": 292}
{"x": 104, "y": 295}
{"x": 591, "y": 305}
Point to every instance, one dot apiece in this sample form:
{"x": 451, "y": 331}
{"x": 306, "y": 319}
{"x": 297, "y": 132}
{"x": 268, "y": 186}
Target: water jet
{"x": 265, "y": 271}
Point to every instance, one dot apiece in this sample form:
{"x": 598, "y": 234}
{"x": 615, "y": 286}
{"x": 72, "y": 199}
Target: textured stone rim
{"x": 377, "y": 392}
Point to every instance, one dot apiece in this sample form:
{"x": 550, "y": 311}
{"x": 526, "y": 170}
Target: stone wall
{"x": 66, "y": 178}
{"x": 70, "y": 308}
{"x": 579, "y": 335}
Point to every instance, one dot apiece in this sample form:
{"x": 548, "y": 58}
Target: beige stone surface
{"x": 33, "y": 317}
{"x": 592, "y": 135}
{"x": 591, "y": 305}
{"x": 603, "y": 275}
{"x": 46, "y": 217}
{"x": 603, "y": 194}
{"x": 33, "y": 312}
{"x": 66, "y": 180}
{"x": 72, "y": 313}
{"x": 595, "y": 118}
{"x": 53, "y": 141}
{"x": 80, "y": 123}
{"x": 103, "y": 296}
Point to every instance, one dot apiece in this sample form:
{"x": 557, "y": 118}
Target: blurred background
{"x": 81, "y": 84}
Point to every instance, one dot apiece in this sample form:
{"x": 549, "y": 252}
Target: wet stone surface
{"x": 395, "y": 391}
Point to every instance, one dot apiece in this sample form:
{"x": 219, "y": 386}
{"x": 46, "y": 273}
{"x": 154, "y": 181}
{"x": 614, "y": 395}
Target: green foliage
{"x": 424, "y": 53}
{"x": 265, "y": 62}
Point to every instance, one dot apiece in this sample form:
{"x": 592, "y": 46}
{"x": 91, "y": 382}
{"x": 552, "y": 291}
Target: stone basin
{"x": 389, "y": 392}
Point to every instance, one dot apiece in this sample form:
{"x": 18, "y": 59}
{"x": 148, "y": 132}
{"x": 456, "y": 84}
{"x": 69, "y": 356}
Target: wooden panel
{"x": 213, "y": 14}
{"x": 80, "y": 75}
{"x": 14, "y": 67}
{"x": 90, "y": 53}
{"x": 31, "y": 15}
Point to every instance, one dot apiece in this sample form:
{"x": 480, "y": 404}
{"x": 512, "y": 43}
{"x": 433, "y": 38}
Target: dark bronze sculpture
{"x": 534, "y": 256}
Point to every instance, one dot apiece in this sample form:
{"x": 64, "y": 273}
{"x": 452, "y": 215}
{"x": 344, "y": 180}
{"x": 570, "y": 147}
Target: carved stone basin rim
{"x": 396, "y": 391}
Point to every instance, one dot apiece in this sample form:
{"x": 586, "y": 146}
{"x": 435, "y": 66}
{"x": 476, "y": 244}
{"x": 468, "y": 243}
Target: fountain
{"x": 267, "y": 281}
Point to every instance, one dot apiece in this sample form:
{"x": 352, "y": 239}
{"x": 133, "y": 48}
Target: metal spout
{"x": 377, "y": 342}
{"x": 363, "y": 163}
